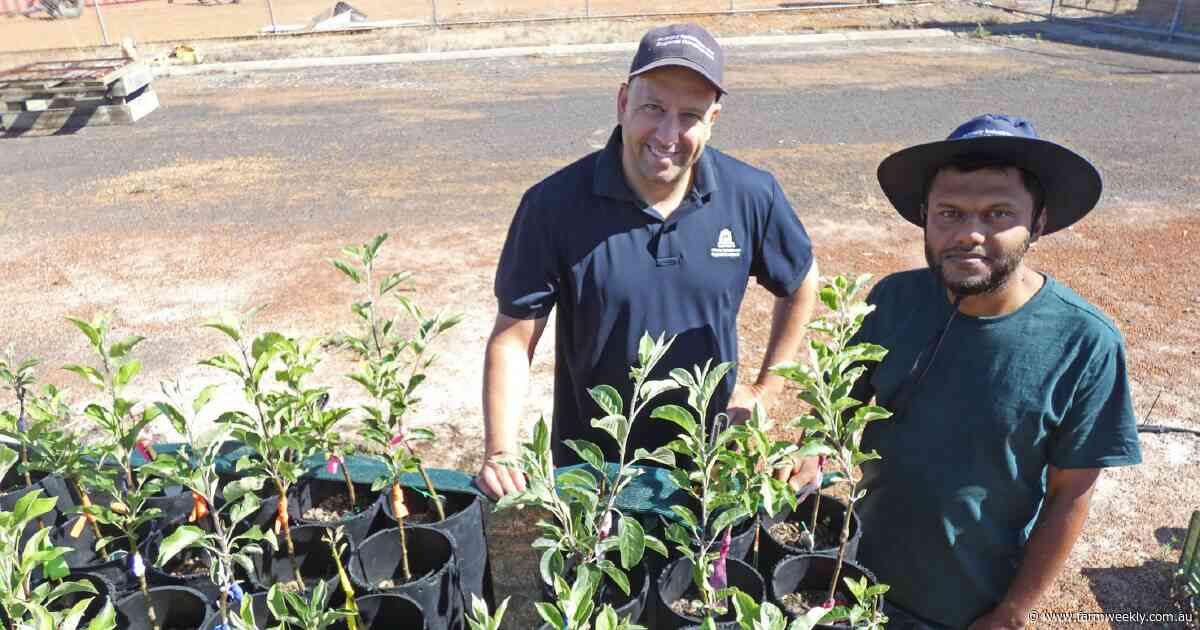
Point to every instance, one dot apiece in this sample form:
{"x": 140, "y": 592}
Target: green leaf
{"x": 92, "y": 333}
{"x": 120, "y": 349}
{"x": 616, "y": 426}
{"x": 350, "y": 272}
{"x": 608, "y": 398}
{"x": 679, "y": 416}
{"x": 89, "y": 374}
{"x": 589, "y": 452}
{"x": 392, "y": 281}
{"x": 632, "y": 543}
{"x": 126, "y": 372}
{"x": 226, "y": 323}
{"x": 650, "y": 389}
{"x": 617, "y": 576}
{"x": 183, "y": 537}
{"x": 8, "y": 457}
{"x": 729, "y": 518}
{"x": 204, "y": 397}
{"x": 662, "y": 455}
{"x": 107, "y": 619}
{"x": 550, "y": 614}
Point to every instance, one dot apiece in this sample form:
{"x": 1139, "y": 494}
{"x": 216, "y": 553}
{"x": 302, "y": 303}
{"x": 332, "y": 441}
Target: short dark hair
{"x": 971, "y": 163}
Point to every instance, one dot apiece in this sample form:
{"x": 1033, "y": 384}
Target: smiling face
{"x": 666, "y": 118}
{"x": 978, "y": 228}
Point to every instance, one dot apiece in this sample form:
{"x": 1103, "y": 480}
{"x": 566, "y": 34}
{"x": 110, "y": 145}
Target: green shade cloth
{"x": 648, "y": 495}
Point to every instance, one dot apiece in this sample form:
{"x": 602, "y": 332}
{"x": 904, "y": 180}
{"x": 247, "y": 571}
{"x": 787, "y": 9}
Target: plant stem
{"x": 281, "y": 515}
{"x": 404, "y": 568}
{"x": 347, "y": 588}
{"x": 397, "y": 504}
{"x": 813, "y": 530}
{"x": 145, "y": 588}
{"x": 349, "y": 485}
{"x": 841, "y": 557}
{"x": 437, "y": 500}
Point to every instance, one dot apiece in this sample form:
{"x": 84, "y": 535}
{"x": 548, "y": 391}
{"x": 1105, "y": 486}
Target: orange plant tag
{"x": 77, "y": 528}
{"x": 281, "y": 515}
{"x": 199, "y": 508}
{"x": 399, "y": 509}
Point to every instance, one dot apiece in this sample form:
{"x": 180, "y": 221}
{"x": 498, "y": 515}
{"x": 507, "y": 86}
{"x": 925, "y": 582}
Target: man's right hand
{"x": 497, "y": 480}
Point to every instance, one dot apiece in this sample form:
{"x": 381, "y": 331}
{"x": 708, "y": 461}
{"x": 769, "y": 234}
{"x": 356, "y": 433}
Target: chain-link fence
{"x": 1171, "y": 19}
{"x": 41, "y": 25}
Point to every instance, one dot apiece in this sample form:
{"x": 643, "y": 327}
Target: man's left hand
{"x": 1000, "y": 618}
{"x": 741, "y": 404}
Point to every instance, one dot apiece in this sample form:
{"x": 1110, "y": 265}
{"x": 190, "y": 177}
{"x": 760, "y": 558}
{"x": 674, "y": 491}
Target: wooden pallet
{"x": 57, "y": 94}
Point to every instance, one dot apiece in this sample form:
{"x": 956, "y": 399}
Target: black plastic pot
{"x": 104, "y": 595}
{"x": 812, "y": 571}
{"x": 176, "y": 504}
{"x": 676, "y": 582}
{"x": 631, "y": 606}
{"x": 176, "y": 607}
{"x": 14, "y": 487}
{"x": 465, "y": 525}
{"x": 258, "y": 607}
{"x": 83, "y": 554}
{"x": 435, "y": 585}
{"x": 388, "y": 611}
{"x": 772, "y": 550}
{"x": 311, "y": 491}
{"x": 312, "y": 553}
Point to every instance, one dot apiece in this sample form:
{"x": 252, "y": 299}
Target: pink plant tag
{"x": 720, "y": 579}
{"x": 606, "y": 525}
{"x": 143, "y": 447}
{"x": 331, "y": 464}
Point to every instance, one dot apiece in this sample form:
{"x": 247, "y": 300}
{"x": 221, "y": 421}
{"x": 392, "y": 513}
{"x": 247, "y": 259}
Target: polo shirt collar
{"x": 609, "y": 177}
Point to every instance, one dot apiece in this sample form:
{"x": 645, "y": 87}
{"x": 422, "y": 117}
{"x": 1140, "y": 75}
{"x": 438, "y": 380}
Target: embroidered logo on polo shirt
{"x": 725, "y": 248}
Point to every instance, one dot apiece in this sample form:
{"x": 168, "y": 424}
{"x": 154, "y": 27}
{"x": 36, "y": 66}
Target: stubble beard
{"x": 1001, "y": 271}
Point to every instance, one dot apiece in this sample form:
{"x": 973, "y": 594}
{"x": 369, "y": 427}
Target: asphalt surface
{"x": 1129, "y": 113}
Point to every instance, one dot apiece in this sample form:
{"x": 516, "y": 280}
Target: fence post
{"x": 103, "y": 26}
{"x": 433, "y": 3}
{"x": 731, "y": 6}
{"x": 1175, "y": 20}
{"x": 1052, "y": 2}
{"x": 271, "y": 11}
{"x": 587, "y": 8}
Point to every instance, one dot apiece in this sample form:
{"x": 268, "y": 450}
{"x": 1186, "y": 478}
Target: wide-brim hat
{"x": 1071, "y": 184}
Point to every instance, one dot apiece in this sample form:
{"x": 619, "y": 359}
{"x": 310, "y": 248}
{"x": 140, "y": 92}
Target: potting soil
{"x": 797, "y": 535}
{"x": 801, "y": 602}
{"x": 333, "y": 508}
{"x": 691, "y": 608}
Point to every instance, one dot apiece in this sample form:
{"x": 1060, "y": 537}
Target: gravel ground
{"x": 238, "y": 189}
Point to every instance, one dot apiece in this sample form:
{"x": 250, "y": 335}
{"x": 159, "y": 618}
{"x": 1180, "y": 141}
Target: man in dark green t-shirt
{"x": 1009, "y": 391}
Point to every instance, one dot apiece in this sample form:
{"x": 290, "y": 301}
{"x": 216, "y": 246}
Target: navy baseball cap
{"x": 1071, "y": 184}
{"x": 685, "y": 45}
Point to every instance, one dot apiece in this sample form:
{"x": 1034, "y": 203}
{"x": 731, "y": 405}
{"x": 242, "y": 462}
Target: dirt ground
{"x": 153, "y": 240}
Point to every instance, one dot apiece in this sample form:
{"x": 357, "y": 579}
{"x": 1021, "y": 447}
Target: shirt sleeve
{"x": 527, "y": 278}
{"x": 783, "y": 254}
{"x": 1099, "y": 429}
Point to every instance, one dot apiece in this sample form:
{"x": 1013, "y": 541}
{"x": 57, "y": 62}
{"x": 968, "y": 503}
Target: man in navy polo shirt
{"x": 654, "y": 233}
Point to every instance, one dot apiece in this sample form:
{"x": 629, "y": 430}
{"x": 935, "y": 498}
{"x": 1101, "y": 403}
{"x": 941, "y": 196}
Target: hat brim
{"x": 1071, "y": 184}
{"x": 682, "y": 63}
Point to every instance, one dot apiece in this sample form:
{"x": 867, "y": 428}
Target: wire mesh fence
{"x": 27, "y": 25}
{"x": 1171, "y": 19}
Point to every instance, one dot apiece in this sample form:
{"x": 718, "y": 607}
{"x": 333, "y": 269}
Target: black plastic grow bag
{"x": 435, "y": 585}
